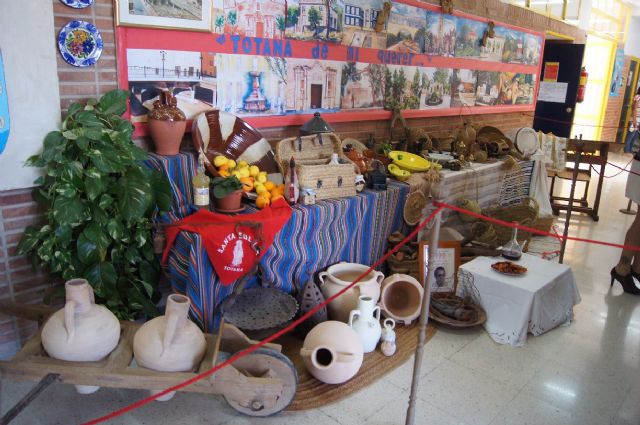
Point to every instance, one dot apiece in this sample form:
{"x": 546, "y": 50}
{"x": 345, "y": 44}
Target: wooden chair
{"x": 593, "y": 154}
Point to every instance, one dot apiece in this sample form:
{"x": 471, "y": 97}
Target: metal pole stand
{"x": 628, "y": 210}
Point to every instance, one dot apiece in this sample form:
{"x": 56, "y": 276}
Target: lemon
{"x": 244, "y": 172}
{"x": 260, "y": 189}
{"x": 237, "y": 174}
{"x": 254, "y": 170}
{"x": 231, "y": 163}
{"x": 243, "y": 163}
{"x": 220, "y": 160}
{"x": 262, "y": 177}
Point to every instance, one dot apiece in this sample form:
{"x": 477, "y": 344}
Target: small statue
{"x": 447, "y": 6}
{"x": 381, "y": 20}
{"x": 388, "y": 338}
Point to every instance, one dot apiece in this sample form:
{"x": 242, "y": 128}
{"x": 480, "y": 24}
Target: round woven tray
{"x": 415, "y": 203}
{"x": 259, "y": 308}
{"x": 480, "y": 316}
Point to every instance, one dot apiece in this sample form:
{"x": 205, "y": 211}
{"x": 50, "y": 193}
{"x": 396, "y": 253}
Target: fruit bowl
{"x": 399, "y": 173}
{"x": 409, "y": 161}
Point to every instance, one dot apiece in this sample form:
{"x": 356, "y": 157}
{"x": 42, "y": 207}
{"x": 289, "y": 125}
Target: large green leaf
{"x": 102, "y": 277}
{"x": 105, "y": 159}
{"x": 71, "y": 172}
{"x": 114, "y": 102}
{"x": 88, "y": 252}
{"x": 105, "y": 201}
{"x": 149, "y": 275}
{"x": 71, "y": 211}
{"x": 116, "y": 229}
{"x": 88, "y": 119}
{"x": 66, "y": 189}
{"x": 162, "y": 193}
{"x": 35, "y": 161}
{"x": 63, "y": 235}
{"x": 134, "y": 194}
{"x": 96, "y": 184}
{"x": 54, "y": 144}
{"x": 29, "y": 241}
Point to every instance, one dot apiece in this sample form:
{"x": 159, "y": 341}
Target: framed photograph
{"x": 445, "y": 266}
{"x": 194, "y": 15}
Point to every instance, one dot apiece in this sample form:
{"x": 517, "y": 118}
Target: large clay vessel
{"x": 170, "y": 343}
{"x": 82, "y": 331}
{"x": 401, "y": 298}
{"x": 336, "y": 277}
{"x": 167, "y": 124}
{"x": 366, "y": 322}
{"x": 332, "y": 352}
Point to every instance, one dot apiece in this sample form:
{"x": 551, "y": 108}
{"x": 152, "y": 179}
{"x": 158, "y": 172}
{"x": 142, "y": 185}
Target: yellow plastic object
{"x": 409, "y": 161}
{"x": 398, "y": 172}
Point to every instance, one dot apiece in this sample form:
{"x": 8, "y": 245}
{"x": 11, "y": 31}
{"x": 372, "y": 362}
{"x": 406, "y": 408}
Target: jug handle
{"x": 345, "y": 357}
{"x": 321, "y": 277}
{"x": 379, "y": 277}
{"x": 376, "y": 312}
{"x": 92, "y": 296}
{"x": 305, "y": 352}
{"x": 169, "y": 331}
{"x": 352, "y": 316}
{"x": 69, "y": 319}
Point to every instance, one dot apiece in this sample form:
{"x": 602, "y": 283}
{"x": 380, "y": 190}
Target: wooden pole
{"x": 424, "y": 318}
{"x": 579, "y": 145}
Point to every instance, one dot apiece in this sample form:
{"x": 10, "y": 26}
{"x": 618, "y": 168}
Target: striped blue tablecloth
{"x": 353, "y": 229}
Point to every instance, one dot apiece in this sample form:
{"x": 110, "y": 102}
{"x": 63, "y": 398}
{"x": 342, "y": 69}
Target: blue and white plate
{"x": 80, "y": 43}
{"x": 77, "y": 4}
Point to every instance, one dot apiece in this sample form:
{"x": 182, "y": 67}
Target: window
{"x": 353, "y": 16}
{"x": 371, "y": 22}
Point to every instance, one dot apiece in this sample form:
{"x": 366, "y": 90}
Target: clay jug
{"x": 332, "y": 352}
{"x": 170, "y": 343}
{"x": 388, "y": 337}
{"x": 336, "y": 277}
{"x": 82, "y": 331}
{"x": 366, "y": 322}
{"x": 167, "y": 124}
{"x": 401, "y": 298}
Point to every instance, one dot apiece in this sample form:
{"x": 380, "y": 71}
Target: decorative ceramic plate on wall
{"x": 80, "y": 43}
{"x": 77, "y": 4}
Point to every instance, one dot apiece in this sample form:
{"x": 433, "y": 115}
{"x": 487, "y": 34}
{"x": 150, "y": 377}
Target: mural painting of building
{"x": 251, "y": 85}
{"x": 532, "y": 49}
{"x": 468, "y": 36}
{"x": 513, "y": 44}
{"x": 362, "y": 86}
{"x": 488, "y": 88}
{"x": 440, "y": 36}
{"x": 464, "y": 87}
{"x": 312, "y": 85}
{"x": 437, "y": 92}
{"x": 251, "y": 18}
{"x": 406, "y": 28}
{"x": 315, "y": 20}
{"x": 358, "y": 24}
{"x": 493, "y": 50}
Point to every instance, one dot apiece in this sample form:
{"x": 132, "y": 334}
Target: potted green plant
{"x": 99, "y": 199}
{"x": 227, "y": 193}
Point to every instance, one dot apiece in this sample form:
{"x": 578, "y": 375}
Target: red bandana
{"x": 234, "y": 244}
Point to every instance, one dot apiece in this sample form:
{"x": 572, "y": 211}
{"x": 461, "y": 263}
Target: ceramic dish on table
{"x": 509, "y": 268}
{"x": 77, "y": 4}
{"x": 409, "y": 161}
{"x": 80, "y": 43}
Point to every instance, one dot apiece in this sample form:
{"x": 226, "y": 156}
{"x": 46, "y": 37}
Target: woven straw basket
{"x": 524, "y": 214}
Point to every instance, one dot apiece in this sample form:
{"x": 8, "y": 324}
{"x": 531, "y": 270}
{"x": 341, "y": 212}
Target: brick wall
{"x": 614, "y": 107}
{"x": 19, "y": 282}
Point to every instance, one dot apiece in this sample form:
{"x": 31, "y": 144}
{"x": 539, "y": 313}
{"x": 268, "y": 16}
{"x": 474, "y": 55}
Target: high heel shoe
{"x": 626, "y": 281}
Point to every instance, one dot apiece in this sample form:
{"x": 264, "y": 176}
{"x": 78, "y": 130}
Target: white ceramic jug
{"x": 82, "y": 331}
{"x": 170, "y": 343}
{"x": 336, "y": 277}
{"x": 366, "y": 322}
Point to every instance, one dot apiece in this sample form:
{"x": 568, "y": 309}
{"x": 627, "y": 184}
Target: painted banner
{"x": 4, "y": 108}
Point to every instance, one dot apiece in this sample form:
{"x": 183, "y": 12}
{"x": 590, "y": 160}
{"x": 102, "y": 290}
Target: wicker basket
{"x": 312, "y": 164}
{"x": 524, "y": 214}
{"x": 493, "y": 141}
{"x": 543, "y": 224}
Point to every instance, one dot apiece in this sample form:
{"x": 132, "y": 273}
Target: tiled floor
{"x": 586, "y": 373}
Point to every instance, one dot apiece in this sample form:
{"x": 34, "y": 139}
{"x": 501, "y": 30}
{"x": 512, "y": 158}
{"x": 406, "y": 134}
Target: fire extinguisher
{"x": 582, "y": 86}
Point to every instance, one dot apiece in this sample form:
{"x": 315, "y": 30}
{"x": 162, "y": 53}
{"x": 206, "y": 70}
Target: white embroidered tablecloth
{"x": 535, "y": 302}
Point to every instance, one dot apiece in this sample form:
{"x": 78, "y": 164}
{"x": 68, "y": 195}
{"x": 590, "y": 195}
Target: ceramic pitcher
{"x": 82, "y": 331}
{"x": 339, "y": 275}
{"x": 170, "y": 343}
{"x": 332, "y": 352}
{"x": 366, "y": 322}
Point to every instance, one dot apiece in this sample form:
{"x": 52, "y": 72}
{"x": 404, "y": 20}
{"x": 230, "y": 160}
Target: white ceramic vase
{"x": 82, "y": 331}
{"x": 339, "y": 275}
{"x": 332, "y": 352}
{"x": 170, "y": 343}
{"x": 366, "y": 322}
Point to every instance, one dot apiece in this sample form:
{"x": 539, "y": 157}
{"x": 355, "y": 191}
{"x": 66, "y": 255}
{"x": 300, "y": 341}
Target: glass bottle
{"x": 201, "y": 184}
{"x": 512, "y": 249}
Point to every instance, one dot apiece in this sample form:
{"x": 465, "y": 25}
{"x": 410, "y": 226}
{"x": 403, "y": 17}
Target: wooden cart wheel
{"x": 265, "y": 362}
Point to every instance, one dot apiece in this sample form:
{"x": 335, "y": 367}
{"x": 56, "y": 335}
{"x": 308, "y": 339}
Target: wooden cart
{"x": 261, "y": 383}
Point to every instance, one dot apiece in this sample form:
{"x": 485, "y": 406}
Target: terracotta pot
{"x": 332, "y": 352}
{"x": 336, "y": 277}
{"x": 366, "y": 322}
{"x": 167, "y": 124}
{"x": 170, "y": 343}
{"x": 401, "y": 298}
{"x": 82, "y": 331}
{"x": 231, "y": 202}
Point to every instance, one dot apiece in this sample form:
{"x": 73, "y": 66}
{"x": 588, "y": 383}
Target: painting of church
{"x": 251, "y": 18}
{"x": 406, "y": 28}
{"x": 312, "y": 85}
{"x": 437, "y": 88}
{"x": 315, "y": 20}
{"x": 468, "y": 35}
{"x": 440, "y": 37}
{"x": 493, "y": 50}
{"x": 513, "y": 50}
{"x": 358, "y": 22}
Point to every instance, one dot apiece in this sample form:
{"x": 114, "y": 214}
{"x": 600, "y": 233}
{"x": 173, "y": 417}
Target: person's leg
{"x": 631, "y": 239}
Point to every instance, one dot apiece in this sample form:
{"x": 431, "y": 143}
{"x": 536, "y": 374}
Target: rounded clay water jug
{"x": 336, "y": 277}
{"x": 401, "y": 298}
{"x": 366, "y": 322}
{"x": 170, "y": 343}
{"x": 332, "y": 352}
{"x": 82, "y": 331}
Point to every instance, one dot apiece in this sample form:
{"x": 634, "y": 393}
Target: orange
{"x": 269, "y": 185}
{"x": 224, "y": 167}
{"x": 247, "y": 184}
{"x": 267, "y": 194}
{"x": 262, "y": 201}
{"x": 224, "y": 173}
{"x": 281, "y": 187}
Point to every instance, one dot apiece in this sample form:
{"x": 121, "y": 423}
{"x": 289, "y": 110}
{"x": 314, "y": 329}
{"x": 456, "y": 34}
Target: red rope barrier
{"x": 625, "y": 167}
{"x": 572, "y": 123}
{"x": 276, "y": 335}
{"x": 616, "y": 174}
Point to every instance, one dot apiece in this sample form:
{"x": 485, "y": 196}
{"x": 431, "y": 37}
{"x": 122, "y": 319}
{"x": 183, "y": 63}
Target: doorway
{"x": 316, "y": 96}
